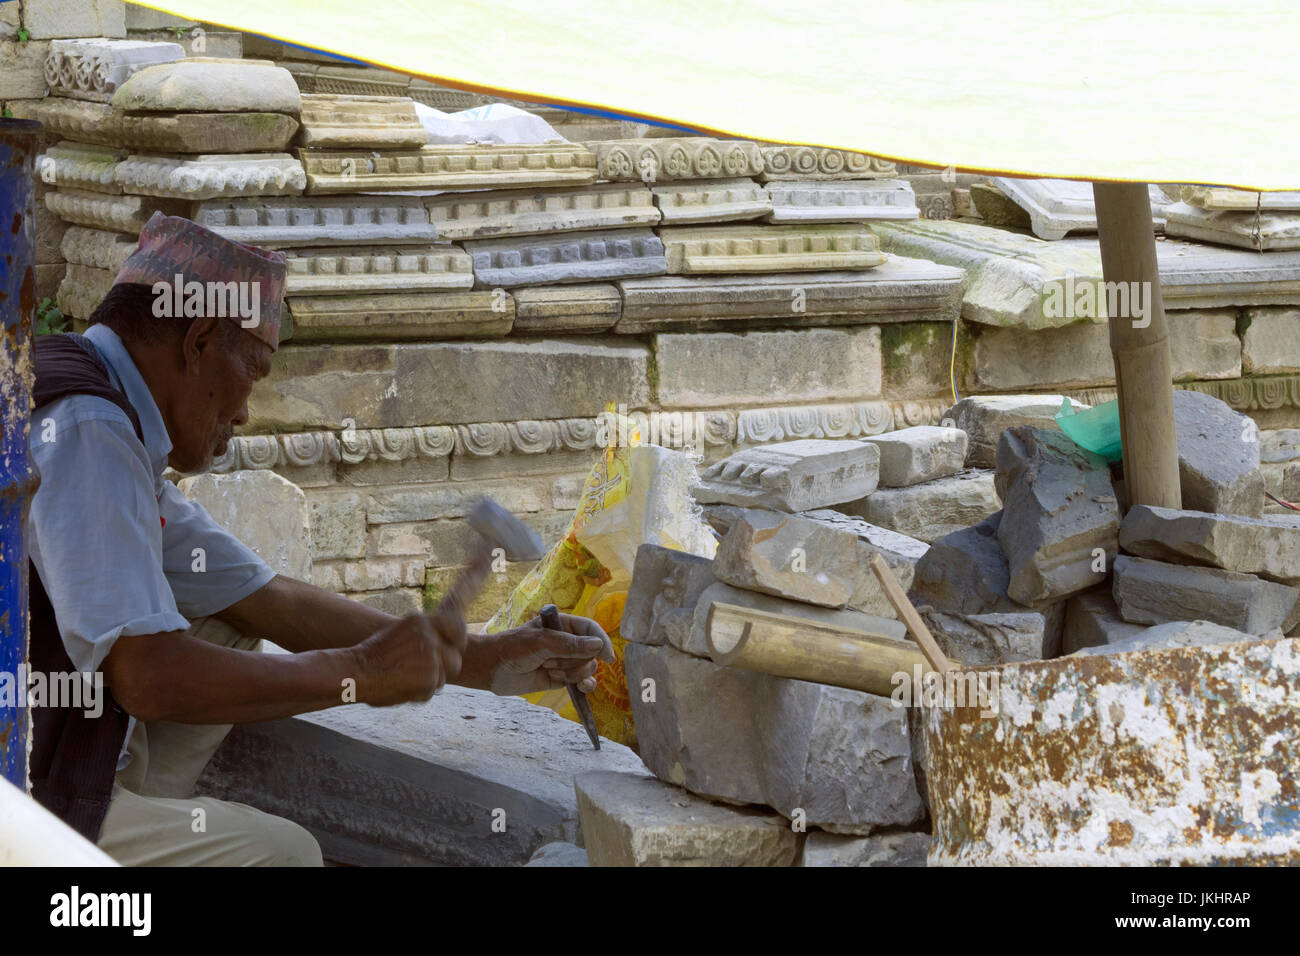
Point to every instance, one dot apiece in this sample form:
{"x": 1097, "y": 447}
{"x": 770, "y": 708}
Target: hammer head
{"x": 503, "y": 530}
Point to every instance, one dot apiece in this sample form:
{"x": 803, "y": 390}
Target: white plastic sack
{"x": 493, "y": 123}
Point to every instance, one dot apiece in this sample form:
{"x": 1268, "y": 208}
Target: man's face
{"x": 227, "y": 368}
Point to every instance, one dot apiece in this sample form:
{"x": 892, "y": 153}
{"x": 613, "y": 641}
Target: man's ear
{"x": 200, "y": 339}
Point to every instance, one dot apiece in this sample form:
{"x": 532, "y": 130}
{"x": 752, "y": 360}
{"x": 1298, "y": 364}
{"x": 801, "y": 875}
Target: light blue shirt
{"x": 113, "y": 542}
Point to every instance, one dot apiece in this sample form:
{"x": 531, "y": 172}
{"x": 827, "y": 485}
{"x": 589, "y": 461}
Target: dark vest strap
{"x": 74, "y": 756}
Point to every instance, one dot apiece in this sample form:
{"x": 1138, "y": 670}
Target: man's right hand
{"x": 410, "y": 659}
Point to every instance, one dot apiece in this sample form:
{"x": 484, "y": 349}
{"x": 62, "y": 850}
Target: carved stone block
{"x": 93, "y": 69}
{"x": 79, "y": 166}
{"x": 391, "y": 316}
{"x": 528, "y": 211}
{"x": 342, "y": 121}
{"x": 211, "y": 176}
{"x": 472, "y": 166}
{"x": 308, "y": 221}
{"x": 344, "y": 271}
{"x": 803, "y": 201}
{"x": 659, "y": 160}
{"x": 713, "y": 200}
{"x": 818, "y": 162}
{"x": 566, "y": 257}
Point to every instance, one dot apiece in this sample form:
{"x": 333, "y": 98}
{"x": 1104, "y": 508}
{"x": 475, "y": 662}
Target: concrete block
{"x": 792, "y": 476}
{"x": 635, "y": 820}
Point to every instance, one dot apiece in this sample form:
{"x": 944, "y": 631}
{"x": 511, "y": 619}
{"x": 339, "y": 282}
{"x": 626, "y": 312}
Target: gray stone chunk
{"x": 1175, "y": 634}
{"x": 841, "y": 756}
{"x": 985, "y": 418}
{"x": 1092, "y": 620}
{"x": 1058, "y": 511}
{"x": 264, "y": 511}
{"x": 1152, "y": 592}
{"x": 697, "y": 644}
{"x": 930, "y": 510}
{"x": 1261, "y": 546}
{"x": 666, "y": 586}
{"x": 977, "y": 640}
{"x": 965, "y": 572}
{"x": 559, "y": 854}
{"x": 792, "y": 476}
{"x": 1218, "y": 456}
{"x": 635, "y": 820}
{"x": 418, "y": 783}
{"x": 922, "y": 453}
{"x": 883, "y": 849}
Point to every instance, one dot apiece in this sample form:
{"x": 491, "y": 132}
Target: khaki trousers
{"x": 154, "y": 820}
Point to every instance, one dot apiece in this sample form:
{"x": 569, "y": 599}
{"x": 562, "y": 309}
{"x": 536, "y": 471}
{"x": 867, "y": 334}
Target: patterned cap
{"x": 196, "y": 272}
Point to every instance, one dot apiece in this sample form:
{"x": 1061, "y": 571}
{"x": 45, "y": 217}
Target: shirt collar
{"x": 156, "y": 440}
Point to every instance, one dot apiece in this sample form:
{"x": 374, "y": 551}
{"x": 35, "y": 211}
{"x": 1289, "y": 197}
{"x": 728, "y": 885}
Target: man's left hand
{"x": 531, "y": 658}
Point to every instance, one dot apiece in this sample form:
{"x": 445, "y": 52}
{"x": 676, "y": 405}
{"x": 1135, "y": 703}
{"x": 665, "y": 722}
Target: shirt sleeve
{"x": 208, "y": 568}
{"x": 94, "y": 531}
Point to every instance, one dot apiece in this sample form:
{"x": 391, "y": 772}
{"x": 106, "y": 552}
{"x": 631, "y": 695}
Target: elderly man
{"x": 116, "y": 588}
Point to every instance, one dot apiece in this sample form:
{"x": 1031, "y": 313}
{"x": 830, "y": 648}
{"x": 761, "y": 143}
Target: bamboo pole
{"x": 908, "y": 614}
{"x": 814, "y": 651}
{"x": 1140, "y": 347}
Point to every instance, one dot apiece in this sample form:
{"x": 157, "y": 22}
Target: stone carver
{"x": 136, "y": 586}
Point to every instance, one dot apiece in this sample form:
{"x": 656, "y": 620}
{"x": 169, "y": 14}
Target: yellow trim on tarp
{"x": 1191, "y": 91}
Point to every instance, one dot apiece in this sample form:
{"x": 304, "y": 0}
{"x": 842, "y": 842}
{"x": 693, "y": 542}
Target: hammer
{"x": 497, "y": 528}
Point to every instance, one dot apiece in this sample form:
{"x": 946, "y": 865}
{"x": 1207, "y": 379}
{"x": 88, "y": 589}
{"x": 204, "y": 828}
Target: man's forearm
{"x": 173, "y": 676}
{"x": 301, "y": 617}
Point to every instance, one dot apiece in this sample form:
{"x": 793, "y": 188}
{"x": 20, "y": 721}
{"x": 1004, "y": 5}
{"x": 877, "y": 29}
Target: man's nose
{"x": 241, "y": 417}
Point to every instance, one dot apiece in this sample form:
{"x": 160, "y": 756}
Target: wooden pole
{"x": 809, "y": 650}
{"x": 1139, "y": 344}
{"x": 908, "y": 614}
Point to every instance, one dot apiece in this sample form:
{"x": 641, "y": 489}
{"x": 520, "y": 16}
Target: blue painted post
{"x": 18, "y": 480}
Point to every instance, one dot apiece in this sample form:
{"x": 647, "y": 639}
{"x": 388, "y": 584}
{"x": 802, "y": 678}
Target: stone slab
{"x": 419, "y": 783}
{"x": 74, "y": 18}
{"x": 659, "y": 160}
{"x": 792, "y": 476}
{"x": 22, "y": 69}
{"x": 210, "y": 85}
{"x": 1056, "y": 207}
{"x": 726, "y": 369}
{"x": 97, "y": 248}
{"x": 910, "y": 456}
{"x": 636, "y": 820}
{"x": 1092, "y": 620}
{"x": 1242, "y": 200}
{"x": 111, "y": 213}
{"x": 523, "y": 212}
{"x": 984, "y": 640}
{"x": 399, "y": 316}
{"x": 1153, "y": 592}
{"x": 559, "y": 854}
{"x": 1270, "y": 343}
{"x": 80, "y": 166}
{"x": 1260, "y": 546}
{"x": 711, "y": 200}
{"x": 984, "y": 418}
{"x": 898, "y": 290}
{"x": 336, "y": 270}
{"x": 211, "y": 176}
{"x": 459, "y": 166}
{"x": 98, "y": 123}
{"x": 280, "y": 222}
{"x": 1175, "y": 634}
{"x": 930, "y": 510}
{"x": 264, "y": 511}
{"x": 342, "y": 121}
{"x": 1021, "y": 281}
{"x": 386, "y": 386}
{"x": 554, "y": 310}
{"x": 965, "y": 572}
{"x": 1247, "y": 230}
{"x": 82, "y": 289}
{"x": 842, "y": 757}
{"x": 666, "y": 586}
{"x": 1218, "y": 456}
{"x": 901, "y": 553}
{"x": 93, "y": 69}
{"x": 1181, "y": 756}
{"x": 820, "y": 162}
{"x": 748, "y": 248}
{"x": 566, "y": 257}
{"x": 802, "y": 201}
{"x": 1058, "y": 511}
{"x": 885, "y": 849}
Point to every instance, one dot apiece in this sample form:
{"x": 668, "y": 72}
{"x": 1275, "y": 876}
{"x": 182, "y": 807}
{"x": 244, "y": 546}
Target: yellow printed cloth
{"x": 635, "y": 494}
